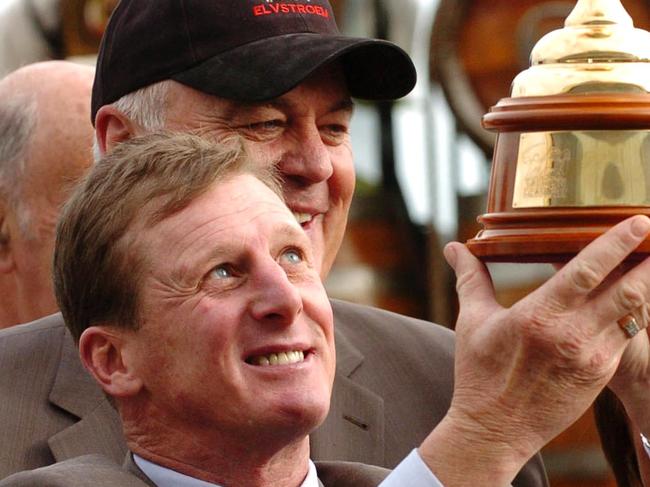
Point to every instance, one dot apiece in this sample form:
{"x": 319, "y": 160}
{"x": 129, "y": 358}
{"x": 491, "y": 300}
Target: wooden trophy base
{"x": 566, "y": 168}
{"x": 547, "y": 236}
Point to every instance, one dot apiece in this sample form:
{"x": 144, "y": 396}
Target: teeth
{"x": 302, "y": 217}
{"x": 282, "y": 358}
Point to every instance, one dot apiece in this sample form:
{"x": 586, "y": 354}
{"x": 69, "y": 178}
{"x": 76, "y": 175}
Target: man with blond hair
{"x": 197, "y": 306}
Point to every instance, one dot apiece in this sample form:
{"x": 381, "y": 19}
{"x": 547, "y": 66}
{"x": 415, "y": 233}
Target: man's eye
{"x": 337, "y": 129}
{"x": 222, "y": 272}
{"x": 292, "y": 256}
{"x": 335, "y": 133}
{"x": 263, "y": 131}
{"x": 267, "y": 125}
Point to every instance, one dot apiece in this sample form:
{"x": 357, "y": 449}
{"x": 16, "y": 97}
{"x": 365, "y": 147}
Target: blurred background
{"x": 423, "y": 163}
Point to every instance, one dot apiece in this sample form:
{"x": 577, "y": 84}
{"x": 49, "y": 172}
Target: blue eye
{"x": 293, "y": 256}
{"x": 222, "y": 272}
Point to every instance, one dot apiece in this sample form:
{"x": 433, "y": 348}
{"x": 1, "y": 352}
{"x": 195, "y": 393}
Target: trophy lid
{"x": 598, "y": 50}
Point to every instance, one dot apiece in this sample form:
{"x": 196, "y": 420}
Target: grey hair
{"x": 146, "y": 107}
{"x": 18, "y": 118}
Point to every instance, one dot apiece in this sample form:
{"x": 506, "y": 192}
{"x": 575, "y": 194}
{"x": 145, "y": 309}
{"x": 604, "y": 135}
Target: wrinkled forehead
{"x": 246, "y": 198}
{"x": 237, "y": 206}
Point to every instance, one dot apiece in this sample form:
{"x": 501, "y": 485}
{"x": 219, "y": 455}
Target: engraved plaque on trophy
{"x": 572, "y": 154}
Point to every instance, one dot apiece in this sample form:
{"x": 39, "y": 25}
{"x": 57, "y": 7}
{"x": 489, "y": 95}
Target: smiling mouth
{"x": 282, "y": 358}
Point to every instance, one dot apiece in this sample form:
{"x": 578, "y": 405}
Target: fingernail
{"x": 641, "y": 226}
{"x": 450, "y": 255}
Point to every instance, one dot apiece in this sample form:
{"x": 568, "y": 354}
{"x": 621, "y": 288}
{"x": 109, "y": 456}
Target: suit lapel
{"x": 74, "y": 391}
{"x": 354, "y": 428}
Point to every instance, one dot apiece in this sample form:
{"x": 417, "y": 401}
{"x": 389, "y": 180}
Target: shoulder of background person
{"x": 50, "y": 325}
{"x": 367, "y": 328}
{"x": 31, "y": 346}
{"x": 405, "y": 364}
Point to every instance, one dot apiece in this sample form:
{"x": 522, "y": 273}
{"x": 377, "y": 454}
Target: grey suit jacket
{"x": 100, "y": 471}
{"x": 393, "y": 385}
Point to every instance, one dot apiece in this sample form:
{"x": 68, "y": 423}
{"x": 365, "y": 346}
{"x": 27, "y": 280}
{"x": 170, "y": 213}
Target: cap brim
{"x": 263, "y": 70}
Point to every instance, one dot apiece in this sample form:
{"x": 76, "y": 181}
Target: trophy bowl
{"x": 572, "y": 153}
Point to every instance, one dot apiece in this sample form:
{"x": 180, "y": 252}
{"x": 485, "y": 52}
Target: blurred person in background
{"x": 45, "y": 147}
{"x": 30, "y": 31}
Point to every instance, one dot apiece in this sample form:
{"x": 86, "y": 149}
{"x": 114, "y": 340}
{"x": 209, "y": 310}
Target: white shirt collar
{"x": 165, "y": 477}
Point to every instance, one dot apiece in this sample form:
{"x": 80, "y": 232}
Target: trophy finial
{"x": 598, "y": 12}
{"x": 599, "y": 49}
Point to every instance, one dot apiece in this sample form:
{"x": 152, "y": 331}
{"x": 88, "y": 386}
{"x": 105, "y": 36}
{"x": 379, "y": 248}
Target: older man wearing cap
{"x": 279, "y": 75}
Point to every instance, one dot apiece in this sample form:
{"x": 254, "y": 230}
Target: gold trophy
{"x": 572, "y": 154}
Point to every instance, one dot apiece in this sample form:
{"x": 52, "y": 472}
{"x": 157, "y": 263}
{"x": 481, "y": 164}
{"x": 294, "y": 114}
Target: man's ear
{"x": 112, "y": 127}
{"x": 101, "y": 349}
{"x": 6, "y": 254}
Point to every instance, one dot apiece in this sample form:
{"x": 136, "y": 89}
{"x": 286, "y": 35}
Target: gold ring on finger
{"x": 629, "y": 326}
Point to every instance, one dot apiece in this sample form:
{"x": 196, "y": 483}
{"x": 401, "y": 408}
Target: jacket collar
{"x": 74, "y": 391}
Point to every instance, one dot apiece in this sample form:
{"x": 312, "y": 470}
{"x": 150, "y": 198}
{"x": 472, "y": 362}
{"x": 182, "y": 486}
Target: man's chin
{"x": 304, "y": 418}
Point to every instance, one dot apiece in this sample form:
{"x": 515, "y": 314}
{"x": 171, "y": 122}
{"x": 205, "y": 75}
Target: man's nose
{"x": 309, "y": 159}
{"x": 276, "y": 299}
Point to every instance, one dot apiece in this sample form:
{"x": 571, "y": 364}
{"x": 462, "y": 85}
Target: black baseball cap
{"x": 245, "y": 50}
